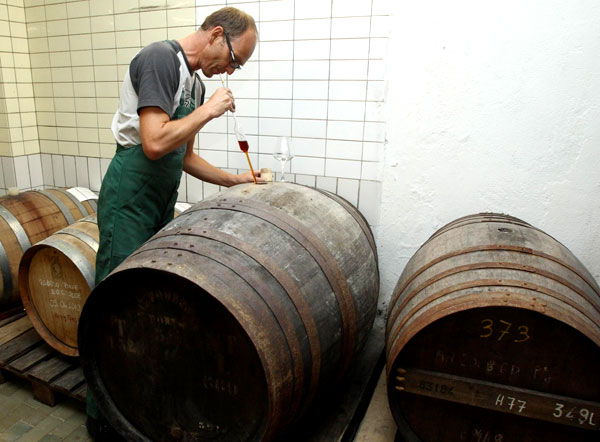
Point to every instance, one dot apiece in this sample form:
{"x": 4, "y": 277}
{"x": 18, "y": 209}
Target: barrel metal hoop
{"x": 82, "y": 236}
{"x": 286, "y": 282}
{"x": 320, "y": 254}
{"x": 93, "y": 204}
{"x": 471, "y": 301}
{"x": 487, "y": 216}
{"x": 61, "y": 206}
{"x": 5, "y": 270}
{"x": 93, "y": 218}
{"x": 393, "y": 335}
{"x": 358, "y": 217}
{"x": 498, "y": 265}
{"x": 81, "y": 207}
{"x": 484, "y": 248}
{"x": 84, "y": 266}
{"x": 16, "y": 227}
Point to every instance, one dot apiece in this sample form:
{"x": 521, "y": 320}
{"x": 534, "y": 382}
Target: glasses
{"x": 233, "y": 63}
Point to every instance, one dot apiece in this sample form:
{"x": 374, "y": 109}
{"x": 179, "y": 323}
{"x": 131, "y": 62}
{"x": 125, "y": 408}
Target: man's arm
{"x": 160, "y": 135}
{"x": 203, "y": 170}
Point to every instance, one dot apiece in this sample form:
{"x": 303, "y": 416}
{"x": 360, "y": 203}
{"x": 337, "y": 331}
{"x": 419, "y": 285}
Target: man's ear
{"x": 215, "y": 33}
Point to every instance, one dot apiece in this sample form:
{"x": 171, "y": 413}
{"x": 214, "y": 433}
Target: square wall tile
{"x": 372, "y": 171}
{"x": 311, "y": 90}
{"x": 95, "y": 177}
{"x": 346, "y": 110}
{"x": 316, "y": 109}
{"x": 306, "y": 180}
{"x": 22, "y": 172}
{"x": 194, "y": 190}
{"x": 309, "y": 147}
{"x": 276, "y": 70}
{"x": 369, "y": 200}
{"x": 275, "y": 108}
{"x": 275, "y": 50}
{"x": 312, "y": 29}
{"x": 351, "y": 8}
{"x": 35, "y": 170}
{"x": 277, "y": 30}
{"x": 70, "y": 170}
{"x": 350, "y": 49}
{"x": 344, "y": 150}
{"x": 313, "y": 9}
{"x": 348, "y": 189}
{"x": 275, "y": 89}
{"x": 81, "y": 166}
{"x": 277, "y": 10}
{"x": 327, "y": 183}
{"x": 8, "y": 171}
{"x": 308, "y": 165}
{"x": 59, "y": 170}
{"x": 275, "y": 126}
{"x": 345, "y": 130}
{"x": 353, "y": 27}
{"x": 309, "y": 128}
{"x": 343, "y": 168}
{"x": 312, "y": 49}
{"x": 311, "y": 70}
{"x": 48, "y": 177}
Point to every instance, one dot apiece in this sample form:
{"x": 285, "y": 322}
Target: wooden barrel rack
{"x": 23, "y": 353}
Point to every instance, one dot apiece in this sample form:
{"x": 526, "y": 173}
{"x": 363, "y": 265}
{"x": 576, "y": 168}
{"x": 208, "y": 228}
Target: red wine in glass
{"x": 243, "y": 145}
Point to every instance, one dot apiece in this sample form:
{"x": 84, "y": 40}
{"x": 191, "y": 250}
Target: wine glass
{"x": 283, "y": 153}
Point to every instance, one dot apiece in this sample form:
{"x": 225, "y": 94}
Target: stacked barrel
{"x": 26, "y": 219}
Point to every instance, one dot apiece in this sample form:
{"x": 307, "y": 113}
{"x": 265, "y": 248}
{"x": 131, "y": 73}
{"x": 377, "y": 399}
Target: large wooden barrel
{"x": 56, "y": 276}
{"x": 229, "y": 322}
{"x": 25, "y": 219}
{"x": 492, "y": 335}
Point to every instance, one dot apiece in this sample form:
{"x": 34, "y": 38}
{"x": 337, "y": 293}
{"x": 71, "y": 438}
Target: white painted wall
{"x": 492, "y": 106}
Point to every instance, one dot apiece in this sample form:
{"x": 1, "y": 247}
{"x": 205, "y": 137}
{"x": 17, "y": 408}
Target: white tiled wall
{"x": 317, "y": 75}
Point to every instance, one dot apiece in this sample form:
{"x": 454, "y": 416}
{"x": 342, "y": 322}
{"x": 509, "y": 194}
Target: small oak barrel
{"x": 56, "y": 276}
{"x": 229, "y": 322}
{"x": 492, "y": 335}
{"x": 25, "y": 219}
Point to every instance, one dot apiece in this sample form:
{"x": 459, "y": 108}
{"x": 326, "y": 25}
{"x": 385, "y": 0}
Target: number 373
{"x": 502, "y": 328}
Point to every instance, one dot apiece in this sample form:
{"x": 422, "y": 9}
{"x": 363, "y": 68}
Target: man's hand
{"x": 220, "y": 102}
{"x": 247, "y": 177}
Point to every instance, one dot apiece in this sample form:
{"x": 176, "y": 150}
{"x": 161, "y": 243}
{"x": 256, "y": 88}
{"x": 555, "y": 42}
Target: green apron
{"x": 136, "y": 200}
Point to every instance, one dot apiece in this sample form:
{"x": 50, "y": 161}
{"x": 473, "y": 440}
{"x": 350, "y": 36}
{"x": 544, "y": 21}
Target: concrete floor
{"x": 23, "y": 419}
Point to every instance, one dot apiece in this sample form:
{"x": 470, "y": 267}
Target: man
{"x": 160, "y": 112}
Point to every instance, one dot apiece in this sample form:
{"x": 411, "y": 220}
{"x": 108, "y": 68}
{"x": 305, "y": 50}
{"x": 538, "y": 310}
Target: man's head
{"x": 232, "y": 37}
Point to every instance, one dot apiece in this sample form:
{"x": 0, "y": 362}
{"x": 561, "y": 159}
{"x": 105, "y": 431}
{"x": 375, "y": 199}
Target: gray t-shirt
{"x": 159, "y": 75}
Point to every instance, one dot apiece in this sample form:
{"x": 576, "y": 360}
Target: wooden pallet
{"x": 23, "y": 353}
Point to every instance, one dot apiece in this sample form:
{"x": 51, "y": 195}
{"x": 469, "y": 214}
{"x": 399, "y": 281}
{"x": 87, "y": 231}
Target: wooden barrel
{"x": 26, "y": 219}
{"x": 492, "y": 335}
{"x": 229, "y": 322}
{"x": 56, "y": 276}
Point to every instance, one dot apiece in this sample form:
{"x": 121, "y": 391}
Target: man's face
{"x": 229, "y": 54}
